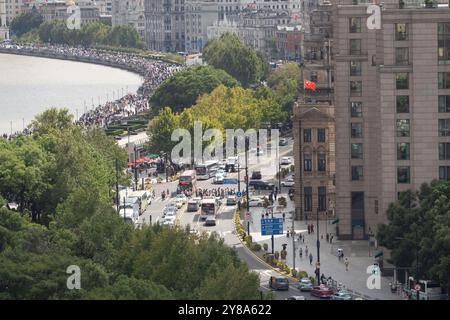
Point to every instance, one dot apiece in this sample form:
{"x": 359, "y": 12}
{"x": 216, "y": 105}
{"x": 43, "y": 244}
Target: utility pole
{"x": 318, "y": 249}
{"x": 135, "y": 169}
{"x": 246, "y": 181}
{"x": 293, "y": 240}
{"x": 117, "y": 186}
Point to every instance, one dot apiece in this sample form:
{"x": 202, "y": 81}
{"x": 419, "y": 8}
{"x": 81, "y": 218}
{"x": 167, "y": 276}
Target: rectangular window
{"x": 308, "y": 199}
{"x": 356, "y": 109}
{"x": 322, "y": 191}
{"x": 355, "y": 25}
{"x": 356, "y": 130}
{"x": 358, "y": 201}
{"x": 401, "y": 32}
{"x": 321, "y": 135}
{"x": 355, "y": 88}
{"x": 403, "y": 128}
{"x": 355, "y": 47}
{"x": 307, "y": 163}
{"x": 402, "y": 104}
{"x": 355, "y": 68}
{"x": 444, "y": 80}
{"x": 403, "y": 175}
{"x": 402, "y": 81}
{"x": 403, "y": 151}
{"x": 357, "y": 173}
{"x": 306, "y": 135}
{"x": 444, "y": 42}
{"x": 357, "y": 150}
{"x": 444, "y": 103}
{"x": 444, "y": 173}
{"x": 444, "y": 151}
{"x": 321, "y": 162}
{"x": 402, "y": 56}
{"x": 444, "y": 127}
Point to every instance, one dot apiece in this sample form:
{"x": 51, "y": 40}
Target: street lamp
{"x": 318, "y": 249}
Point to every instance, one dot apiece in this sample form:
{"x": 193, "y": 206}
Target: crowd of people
{"x": 153, "y": 71}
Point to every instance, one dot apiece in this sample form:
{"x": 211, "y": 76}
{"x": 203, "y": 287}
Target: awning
{"x": 335, "y": 221}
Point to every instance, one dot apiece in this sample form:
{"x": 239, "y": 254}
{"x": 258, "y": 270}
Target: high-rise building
{"x": 4, "y": 31}
{"x": 164, "y": 25}
{"x": 199, "y": 15}
{"x": 129, "y": 13}
{"x": 392, "y": 105}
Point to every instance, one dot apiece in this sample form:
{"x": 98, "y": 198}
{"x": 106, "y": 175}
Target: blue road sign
{"x": 271, "y": 226}
{"x": 239, "y": 194}
{"x": 230, "y": 181}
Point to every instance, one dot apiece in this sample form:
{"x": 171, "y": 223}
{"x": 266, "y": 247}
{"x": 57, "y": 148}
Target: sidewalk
{"x": 357, "y": 252}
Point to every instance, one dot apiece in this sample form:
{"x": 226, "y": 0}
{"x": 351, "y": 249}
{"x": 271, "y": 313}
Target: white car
{"x": 221, "y": 172}
{"x": 169, "y": 221}
{"x": 218, "y": 179}
{"x": 255, "y": 202}
{"x": 169, "y": 214}
{"x": 181, "y": 197}
{"x": 289, "y": 182}
{"x": 285, "y": 161}
{"x": 179, "y": 203}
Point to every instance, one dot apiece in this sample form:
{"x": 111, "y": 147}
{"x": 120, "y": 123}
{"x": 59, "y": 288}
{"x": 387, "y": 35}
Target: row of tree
{"x": 62, "y": 176}
{"x": 29, "y": 27}
{"x": 418, "y": 233}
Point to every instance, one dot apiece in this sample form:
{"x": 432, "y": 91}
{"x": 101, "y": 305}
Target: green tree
{"x": 124, "y": 36}
{"x": 160, "y": 131}
{"x": 237, "y": 59}
{"x": 420, "y": 220}
{"x": 183, "y": 89}
{"x": 25, "y": 22}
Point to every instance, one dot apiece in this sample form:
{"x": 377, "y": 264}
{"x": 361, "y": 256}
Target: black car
{"x": 261, "y": 185}
{"x": 256, "y": 175}
{"x": 283, "y": 142}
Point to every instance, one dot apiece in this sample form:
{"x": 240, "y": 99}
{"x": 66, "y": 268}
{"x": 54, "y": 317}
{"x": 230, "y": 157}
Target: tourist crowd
{"x": 154, "y": 73}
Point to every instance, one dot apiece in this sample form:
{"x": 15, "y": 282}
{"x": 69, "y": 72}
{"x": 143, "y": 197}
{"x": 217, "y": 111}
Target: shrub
{"x": 277, "y": 255}
{"x": 283, "y": 254}
{"x": 255, "y": 247}
{"x": 265, "y": 246}
{"x": 302, "y": 274}
{"x": 294, "y": 273}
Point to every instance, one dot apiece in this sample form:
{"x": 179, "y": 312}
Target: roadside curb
{"x": 259, "y": 259}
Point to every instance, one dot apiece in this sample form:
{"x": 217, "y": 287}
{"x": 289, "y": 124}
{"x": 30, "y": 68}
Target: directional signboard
{"x": 230, "y": 181}
{"x": 271, "y": 226}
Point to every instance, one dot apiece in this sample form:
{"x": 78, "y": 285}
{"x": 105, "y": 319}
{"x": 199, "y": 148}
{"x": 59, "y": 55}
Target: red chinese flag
{"x": 310, "y": 85}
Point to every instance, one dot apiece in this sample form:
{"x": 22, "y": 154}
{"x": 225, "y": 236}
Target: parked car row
{"x": 306, "y": 285}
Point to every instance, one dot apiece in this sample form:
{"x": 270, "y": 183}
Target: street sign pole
{"x": 273, "y": 240}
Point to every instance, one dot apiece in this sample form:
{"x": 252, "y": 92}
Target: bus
{"x": 210, "y": 206}
{"x": 188, "y": 181}
{"x": 206, "y": 170}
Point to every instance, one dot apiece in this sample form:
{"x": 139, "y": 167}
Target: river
{"x": 30, "y": 85}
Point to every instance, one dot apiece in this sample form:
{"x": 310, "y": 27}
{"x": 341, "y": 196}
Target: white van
{"x": 129, "y": 210}
{"x": 143, "y": 196}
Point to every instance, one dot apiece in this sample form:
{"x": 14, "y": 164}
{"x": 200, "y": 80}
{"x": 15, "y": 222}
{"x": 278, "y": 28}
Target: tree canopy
{"x": 182, "y": 89}
{"x": 421, "y": 220}
{"x": 25, "y": 22}
{"x": 62, "y": 176}
{"x": 229, "y": 53}
{"x": 90, "y": 34}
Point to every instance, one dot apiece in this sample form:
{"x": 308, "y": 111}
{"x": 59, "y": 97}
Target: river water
{"x": 30, "y": 85}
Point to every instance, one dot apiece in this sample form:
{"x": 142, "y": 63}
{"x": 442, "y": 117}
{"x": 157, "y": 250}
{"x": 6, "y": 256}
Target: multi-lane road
{"x": 224, "y": 223}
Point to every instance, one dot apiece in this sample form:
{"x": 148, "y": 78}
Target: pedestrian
{"x": 303, "y": 239}
{"x": 328, "y": 237}
{"x": 287, "y": 234}
{"x": 312, "y": 228}
{"x": 284, "y": 217}
{"x": 306, "y": 251}
{"x": 310, "y": 259}
{"x": 346, "y": 264}
{"x": 267, "y": 215}
{"x": 262, "y": 215}
{"x": 309, "y": 229}
{"x": 168, "y": 193}
{"x": 300, "y": 252}
{"x": 331, "y": 239}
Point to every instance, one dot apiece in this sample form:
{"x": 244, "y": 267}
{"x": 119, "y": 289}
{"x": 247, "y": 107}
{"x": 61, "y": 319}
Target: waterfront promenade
{"x": 153, "y": 71}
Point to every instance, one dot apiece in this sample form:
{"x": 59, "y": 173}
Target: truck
{"x": 129, "y": 210}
